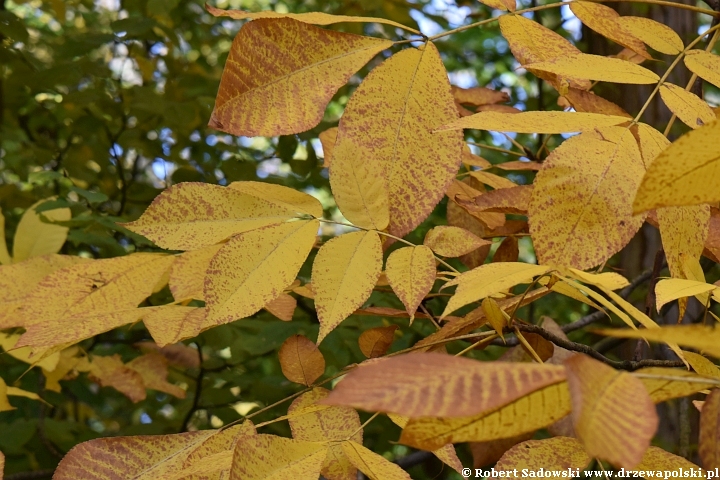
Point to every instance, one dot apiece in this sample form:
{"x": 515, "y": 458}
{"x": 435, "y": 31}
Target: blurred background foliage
{"x": 104, "y": 103}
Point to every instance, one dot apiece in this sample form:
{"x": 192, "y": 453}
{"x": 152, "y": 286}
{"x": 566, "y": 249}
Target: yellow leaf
{"x": 671, "y": 289}
{"x": 300, "y": 360}
{"x": 277, "y": 195}
{"x": 528, "y": 413}
{"x": 327, "y": 139}
{"x": 487, "y": 280}
{"x": 254, "y": 267}
{"x": 267, "y": 95}
{"x": 552, "y": 455}
{"x": 452, "y": 241}
{"x": 599, "y": 393}
{"x": 343, "y": 276}
{"x": 535, "y": 122}
{"x": 34, "y": 238}
{"x": 595, "y": 67}
{"x": 187, "y": 275}
{"x": 215, "y": 453}
{"x": 496, "y": 317}
{"x": 153, "y": 368}
{"x": 409, "y": 96}
{"x": 445, "y": 454}
{"x": 110, "y": 371}
{"x": 658, "y": 459}
{"x": 259, "y": 457}
{"x": 4, "y": 402}
{"x": 683, "y": 231}
{"x": 588, "y": 182}
{"x": 606, "y": 21}
{"x": 315, "y": 18}
{"x": 4, "y": 255}
{"x": 656, "y": 35}
{"x": 689, "y": 108}
{"x": 66, "y": 363}
{"x": 375, "y": 466}
{"x": 491, "y": 180}
{"x": 664, "y": 384}
{"x": 609, "y": 280}
{"x": 584, "y": 101}
{"x": 439, "y": 385}
{"x": 701, "y": 337}
{"x": 8, "y": 341}
{"x": 172, "y": 323}
{"x": 375, "y": 342}
{"x": 705, "y": 64}
{"x": 702, "y": 365}
{"x": 283, "y": 307}
{"x": 709, "y": 438}
{"x": 683, "y": 174}
{"x": 411, "y": 274}
{"x": 332, "y": 424}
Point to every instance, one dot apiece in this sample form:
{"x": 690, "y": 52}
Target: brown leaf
{"x": 508, "y": 250}
{"x": 551, "y": 454}
{"x": 375, "y": 342}
{"x": 477, "y": 96}
{"x": 584, "y": 101}
{"x": 283, "y": 307}
{"x": 709, "y": 440}
{"x": 386, "y": 312}
{"x": 300, "y": 360}
{"x": 178, "y": 354}
{"x": 489, "y": 452}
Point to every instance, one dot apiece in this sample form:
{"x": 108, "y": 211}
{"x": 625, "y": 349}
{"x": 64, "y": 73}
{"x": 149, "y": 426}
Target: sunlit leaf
{"x": 705, "y": 64}
{"x": 606, "y": 21}
{"x": 375, "y": 466}
{"x": 34, "y": 238}
{"x": 655, "y": 34}
{"x": 595, "y": 67}
{"x": 451, "y": 241}
{"x": 535, "y": 122}
{"x": 269, "y": 457}
{"x": 688, "y": 107}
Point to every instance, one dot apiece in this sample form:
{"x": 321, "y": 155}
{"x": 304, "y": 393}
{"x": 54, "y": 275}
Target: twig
{"x": 198, "y": 392}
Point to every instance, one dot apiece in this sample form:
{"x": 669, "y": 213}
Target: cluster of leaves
{"x": 247, "y": 247}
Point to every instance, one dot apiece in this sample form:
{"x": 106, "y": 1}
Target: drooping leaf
{"x": 375, "y": 342}
{"x": 608, "y": 280}
{"x": 260, "y": 457}
{"x": 584, "y": 101}
{"x": 409, "y": 96}
{"x": 411, "y": 274}
{"x": 13, "y": 391}
{"x": 598, "y": 393}
{"x": 494, "y": 314}
{"x": 110, "y": 371}
{"x": 343, "y": 276}
{"x": 375, "y": 466}
{"x": 705, "y": 64}
{"x": 8, "y": 342}
{"x": 489, "y": 279}
{"x": 535, "y": 122}
{"x": 264, "y": 94}
{"x": 439, "y": 385}
{"x": 254, "y": 267}
{"x": 655, "y": 34}
{"x": 701, "y": 337}
{"x": 709, "y": 440}
{"x": 551, "y": 454}
{"x": 606, "y": 21}
{"x": 588, "y": 182}
{"x": 595, "y": 67}
{"x": 684, "y": 173}
{"x": 300, "y": 360}
{"x": 688, "y": 107}
{"x": 34, "y": 238}
{"x": 451, "y": 241}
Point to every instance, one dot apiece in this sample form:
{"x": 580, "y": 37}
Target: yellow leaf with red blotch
{"x": 343, "y": 276}
{"x": 375, "y": 466}
{"x": 705, "y": 65}
{"x": 375, "y": 342}
{"x": 664, "y": 384}
{"x": 658, "y": 459}
{"x": 139, "y": 457}
{"x": 670, "y": 289}
{"x": 89, "y": 298}
{"x": 654, "y": 34}
{"x": 600, "y": 393}
{"x": 300, "y": 360}
{"x": 709, "y": 438}
{"x": 477, "y": 96}
{"x": 588, "y": 182}
{"x": 267, "y": 95}
{"x": 172, "y": 323}
{"x": 259, "y": 457}
{"x": 689, "y": 108}
{"x": 214, "y": 455}
{"x": 438, "y": 385}
{"x": 327, "y": 140}
{"x": 492, "y": 180}
{"x": 188, "y": 216}
{"x": 110, "y": 371}
{"x": 606, "y": 21}
{"x": 551, "y": 454}
{"x": 685, "y": 173}
{"x": 445, "y": 454}
{"x": 584, "y": 101}
{"x": 283, "y": 307}
{"x": 187, "y": 275}
{"x": 489, "y": 279}
{"x": 701, "y": 337}
{"x": 595, "y": 67}
{"x": 535, "y": 122}
{"x": 409, "y": 97}
{"x": 330, "y": 424}
{"x": 315, "y": 18}
{"x": 451, "y": 241}
{"x": 411, "y": 274}
{"x": 528, "y": 413}
{"x": 153, "y": 368}
{"x": 254, "y": 267}
{"x": 34, "y": 238}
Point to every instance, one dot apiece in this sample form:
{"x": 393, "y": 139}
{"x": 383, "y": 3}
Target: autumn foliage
{"x": 230, "y": 252}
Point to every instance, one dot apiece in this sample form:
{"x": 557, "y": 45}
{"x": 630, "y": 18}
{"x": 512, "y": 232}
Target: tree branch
{"x": 198, "y": 392}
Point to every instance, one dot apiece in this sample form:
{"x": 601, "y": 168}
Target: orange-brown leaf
{"x": 153, "y": 368}
{"x": 477, "y": 96}
{"x": 300, "y": 360}
{"x": 375, "y": 342}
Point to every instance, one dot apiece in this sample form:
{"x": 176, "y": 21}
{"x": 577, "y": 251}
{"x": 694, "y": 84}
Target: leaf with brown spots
{"x": 689, "y": 108}
{"x": 260, "y": 457}
{"x": 705, "y": 65}
{"x": 606, "y": 21}
{"x": 551, "y": 454}
{"x": 375, "y": 342}
{"x": 300, "y": 360}
{"x": 411, "y": 274}
{"x": 375, "y": 466}
{"x": 477, "y": 96}
{"x": 170, "y": 324}
{"x": 508, "y": 251}
{"x": 187, "y": 275}
{"x": 452, "y": 241}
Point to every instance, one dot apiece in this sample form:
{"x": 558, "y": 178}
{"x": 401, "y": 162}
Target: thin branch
{"x": 198, "y": 392}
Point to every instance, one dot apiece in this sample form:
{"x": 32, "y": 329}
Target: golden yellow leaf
{"x": 551, "y": 454}
{"x": 683, "y": 231}
{"x": 451, "y": 241}
{"x": 375, "y": 466}
{"x": 34, "y": 238}
{"x": 315, "y": 18}
{"x": 670, "y": 289}
{"x": 259, "y": 457}
{"x": 606, "y": 21}
{"x": 658, "y": 459}
{"x": 535, "y": 122}
{"x": 327, "y": 140}
{"x": 254, "y": 267}
{"x": 12, "y": 391}
{"x": 445, "y": 454}
{"x": 468, "y": 158}
{"x": 411, "y": 274}
{"x": 526, "y": 414}
{"x": 300, "y": 360}
{"x": 494, "y": 314}
{"x": 477, "y": 96}
{"x": 705, "y": 64}
{"x": 266, "y": 95}
{"x": 283, "y": 307}
{"x": 66, "y": 363}
{"x": 409, "y": 97}
{"x": 656, "y": 35}
{"x": 153, "y": 368}
{"x": 8, "y": 341}
{"x": 343, "y": 276}
{"x": 172, "y": 323}
{"x": 278, "y": 195}
{"x": 709, "y": 439}
{"x": 187, "y": 275}
{"x": 599, "y": 393}
{"x": 689, "y": 108}
{"x": 215, "y": 453}
{"x": 487, "y": 280}
{"x": 4, "y": 255}
{"x": 584, "y": 101}
{"x": 375, "y": 342}
{"x": 685, "y": 173}
{"x": 664, "y": 384}
{"x": 588, "y": 182}
{"x": 595, "y": 67}
{"x": 439, "y": 385}
{"x": 701, "y": 337}
{"x": 492, "y": 180}
{"x": 332, "y": 424}
{"x": 609, "y": 280}
{"x": 702, "y": 365}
